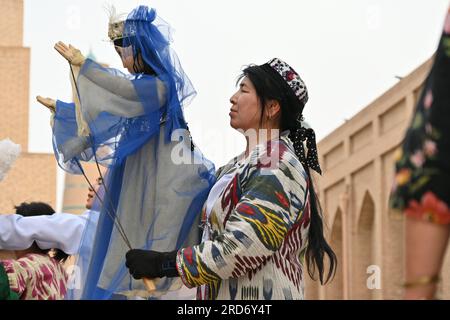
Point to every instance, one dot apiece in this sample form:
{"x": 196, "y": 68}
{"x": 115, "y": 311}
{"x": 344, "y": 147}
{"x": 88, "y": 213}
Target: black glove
{"x": 151, "y": 264}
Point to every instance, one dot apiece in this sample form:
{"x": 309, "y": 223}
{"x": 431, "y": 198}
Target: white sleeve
{"x": 60, "y": 230}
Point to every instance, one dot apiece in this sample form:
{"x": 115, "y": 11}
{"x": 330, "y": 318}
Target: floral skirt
{"x": 422, "y": 182}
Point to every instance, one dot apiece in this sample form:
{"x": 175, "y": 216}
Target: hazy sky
{"x": 348, "y": 52}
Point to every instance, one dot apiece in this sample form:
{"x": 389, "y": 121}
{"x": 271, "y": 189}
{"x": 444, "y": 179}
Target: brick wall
{"x": 11, "y": 23}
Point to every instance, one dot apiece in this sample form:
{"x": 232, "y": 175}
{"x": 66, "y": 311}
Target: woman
{"x": 134, "y": 124}
{"x": 262, "y": 218}
{"x": 37, "y": 274}
{"x": 422, "y": 190}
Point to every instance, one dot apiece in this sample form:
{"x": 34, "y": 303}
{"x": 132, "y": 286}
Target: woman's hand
{"x": 70, "y": 53}
{"x": 151, "y": 264}
{"x": 47, "y": 102}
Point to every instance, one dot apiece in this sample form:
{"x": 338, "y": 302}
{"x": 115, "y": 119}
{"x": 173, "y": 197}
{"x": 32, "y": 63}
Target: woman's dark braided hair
{"x": 270, "y": 86}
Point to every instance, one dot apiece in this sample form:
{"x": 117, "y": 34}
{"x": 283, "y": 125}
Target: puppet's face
{"x": 128, "y": 61}
{"x": 126, "y": 54}
{"x": 124, "y": 49}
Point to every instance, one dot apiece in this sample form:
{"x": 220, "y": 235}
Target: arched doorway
{"x": 335, "y": 289}
{"x": 362, "y": 256}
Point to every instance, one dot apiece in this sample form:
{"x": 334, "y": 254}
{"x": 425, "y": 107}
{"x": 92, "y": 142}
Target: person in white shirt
{"x": 18, "y": 232}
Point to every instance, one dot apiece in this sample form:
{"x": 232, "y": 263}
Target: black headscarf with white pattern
{"x": 281, "y": 72}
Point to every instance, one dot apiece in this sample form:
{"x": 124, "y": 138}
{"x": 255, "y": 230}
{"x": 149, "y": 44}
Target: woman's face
{"x": 245, "y": 111}
{"x": 92, "y": 193}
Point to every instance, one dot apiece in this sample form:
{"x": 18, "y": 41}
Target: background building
{"x": 358, "y": 171}
{"x": 33, "y": 176}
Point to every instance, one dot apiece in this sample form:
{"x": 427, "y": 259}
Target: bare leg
{"x": 426, "y": 243}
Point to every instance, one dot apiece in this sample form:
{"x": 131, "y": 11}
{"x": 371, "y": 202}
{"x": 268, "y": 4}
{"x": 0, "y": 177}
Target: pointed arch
{"x": 394, "y": 255}
{"x": 363, "y": 255}
{"x": 334, "y": 289}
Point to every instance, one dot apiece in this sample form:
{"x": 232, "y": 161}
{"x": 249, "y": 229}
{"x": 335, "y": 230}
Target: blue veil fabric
{"x": 138, "y": 120}
{"x": 150, "y": 36}
{"x": 137, "y": 129}
{"x": 64, "y": 135}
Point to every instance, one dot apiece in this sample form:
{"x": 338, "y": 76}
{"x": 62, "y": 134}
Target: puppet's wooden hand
{"x": 47, "y": 102}
{"x": 70, "y": 53}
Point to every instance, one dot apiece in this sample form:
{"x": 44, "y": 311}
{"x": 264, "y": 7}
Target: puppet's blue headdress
{"x": 150, "y": 38}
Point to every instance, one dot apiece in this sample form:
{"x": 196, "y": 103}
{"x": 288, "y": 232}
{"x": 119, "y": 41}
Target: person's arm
{"x": 108, "y": 90}
{"x": 60, "y": 230}
{"x": 103, "y": 89}
{"x": 115, "y": 82}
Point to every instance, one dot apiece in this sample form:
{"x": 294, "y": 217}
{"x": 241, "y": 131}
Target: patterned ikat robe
{"x": 258, "y": 230}
{"x": 37, "y": 277}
